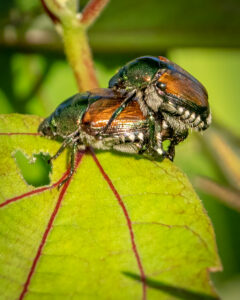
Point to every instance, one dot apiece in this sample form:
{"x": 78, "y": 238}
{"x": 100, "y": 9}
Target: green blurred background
{"x": 201, "y": 36}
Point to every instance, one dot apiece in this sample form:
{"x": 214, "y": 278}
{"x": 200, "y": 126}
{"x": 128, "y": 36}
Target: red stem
{"x": 92, "y": 10}
{"x": 53, "y": 17}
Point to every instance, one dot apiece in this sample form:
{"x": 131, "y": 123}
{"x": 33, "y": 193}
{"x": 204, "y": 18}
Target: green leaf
{"x": 123, "y": 227}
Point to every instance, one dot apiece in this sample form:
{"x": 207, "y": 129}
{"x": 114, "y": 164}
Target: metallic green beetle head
{"x": 66, "y": 118}
{"x": 47, "y": 128}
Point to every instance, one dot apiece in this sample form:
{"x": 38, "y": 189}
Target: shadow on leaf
{"x": 175, "y": 291}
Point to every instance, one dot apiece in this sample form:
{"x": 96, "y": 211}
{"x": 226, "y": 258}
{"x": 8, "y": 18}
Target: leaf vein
{"x": 128, "y": 220}
{"x": 48, "y": 228}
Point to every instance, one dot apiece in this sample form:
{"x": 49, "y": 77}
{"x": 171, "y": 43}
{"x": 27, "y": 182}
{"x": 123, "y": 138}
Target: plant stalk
{"x": 73, "y": 27}
{"x": 79, "y": 55}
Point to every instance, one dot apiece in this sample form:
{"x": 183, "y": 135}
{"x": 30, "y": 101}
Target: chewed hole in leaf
{"x": 35, "y": 170}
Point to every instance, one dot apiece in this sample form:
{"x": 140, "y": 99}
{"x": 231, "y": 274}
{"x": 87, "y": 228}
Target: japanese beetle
{"x": 80, "y": 118}
{"x": 78, "y": 121}
{"x": 149, "y": 100}
{"x": 162, "y": 87}
{"x": 166, "y": 92}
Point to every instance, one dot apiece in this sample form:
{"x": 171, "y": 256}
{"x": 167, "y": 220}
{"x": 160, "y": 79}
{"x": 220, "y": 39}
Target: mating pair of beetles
{"x": 148, "y": 101}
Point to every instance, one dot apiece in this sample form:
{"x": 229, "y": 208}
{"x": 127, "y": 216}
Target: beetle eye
{"x": 162, "y": 86}
{"x": 46, "y": 130}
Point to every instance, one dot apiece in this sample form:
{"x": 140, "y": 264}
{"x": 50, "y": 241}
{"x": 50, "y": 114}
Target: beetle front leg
{"x": 68, "y": 140}
{"x": 60, "y": 150}
{"x": 72, "y": 165}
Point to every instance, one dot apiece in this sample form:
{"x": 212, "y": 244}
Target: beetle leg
{"x": 175, "y": 141}
{"x": 65, "y": 143}
{"x": 155, "y": 138}
{"x": 155, "y": 152}
{"x": 72, "y": 165}
{"x": 171, "y": 151}
{"x": 158, "y": 135}
{"x": 60, "y": 150}
{"x": 151, "y": 124}
{"x": 118, "y": 111}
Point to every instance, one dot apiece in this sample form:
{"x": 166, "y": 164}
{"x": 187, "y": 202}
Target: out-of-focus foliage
{"x": 134, "y": 26}
{"x": 35, "y": 82}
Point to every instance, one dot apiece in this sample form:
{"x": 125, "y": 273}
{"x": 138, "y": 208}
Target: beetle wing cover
{"x": 181, "y": 84}
{"x": 99, "y": 113}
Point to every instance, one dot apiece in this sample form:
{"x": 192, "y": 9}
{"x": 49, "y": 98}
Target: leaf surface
{"x": 122, "y": 228}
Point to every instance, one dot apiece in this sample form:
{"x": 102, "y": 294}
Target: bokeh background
{"x": 203, "y": 36}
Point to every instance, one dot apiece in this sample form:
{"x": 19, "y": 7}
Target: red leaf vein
{"x": 36, "y": 191}
{"x": 47, "y": 230}
{"x": 128, "y": 220}
{"x": 19, "y": 133}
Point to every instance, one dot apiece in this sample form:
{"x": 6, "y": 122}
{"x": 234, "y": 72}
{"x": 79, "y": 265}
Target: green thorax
{"x": 137, "y": 74}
